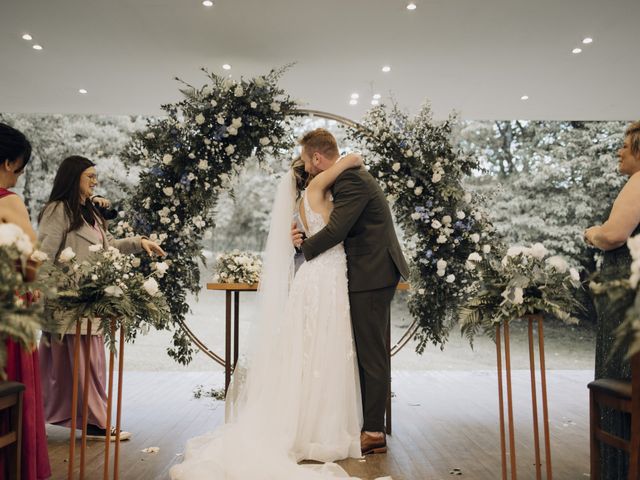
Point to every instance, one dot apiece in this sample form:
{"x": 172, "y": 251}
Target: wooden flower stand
{"x": 504, "y": 330}
{"x": 85, "y": 403}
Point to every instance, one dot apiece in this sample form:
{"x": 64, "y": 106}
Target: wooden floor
{"x": 442, "y": 421}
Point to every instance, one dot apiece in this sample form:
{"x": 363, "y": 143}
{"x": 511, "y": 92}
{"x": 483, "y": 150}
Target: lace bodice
{"x": 315, "y": 223}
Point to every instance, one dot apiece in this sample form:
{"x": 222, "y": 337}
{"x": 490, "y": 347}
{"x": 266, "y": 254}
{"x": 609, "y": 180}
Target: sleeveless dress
{"x": 310, "y": 408}
{"x": 616, "y": 264}
{"x": 22, "y": 366}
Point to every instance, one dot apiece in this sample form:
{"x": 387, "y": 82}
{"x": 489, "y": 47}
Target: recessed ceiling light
{"x": 207, "y": 3}
{"x": 377, "y": 96}
{"x": 37, "y": 47}
{"x": 524, "y": 97}
{"x": 353, "y": 101}
{"x": 27, "y": 37}
{"x": 226, "y": 66}
{"x": 576, "y": 50}
{"x": 83, "y": 91}
{"x": 375, "y": 102}
{"x": 386, "y": 69}
{"x": 587, "y": 40}
{"x": 411, "y": 6}
{"x": 355, "y": 96}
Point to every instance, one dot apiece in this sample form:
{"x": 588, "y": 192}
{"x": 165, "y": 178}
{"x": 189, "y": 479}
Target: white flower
{"x": 66, "y": 255}
{"x": 203, "y": 165}
{"x": 167, "y": 159}
{"x": 151, "y": 286}
{"x": 446, "y": 220}
{"x": 135, "y": 262}
{"x": 220, "y": 120}
{"x": 467, "y": 197}
{"x": 275, "y": 106}
{"x": 436, "y": 178}
{"x": 259, "y": 81}
{"x": 214, "y": 103}
{"x": 421, "y": 291}
{"x": 575, "y": 275}
{"x": 230, "y": 149}
{"x": 450, "y": 278}
{"x": 442, "y": 239}
{"x": 39, "y": 256}
{"x": 113, "y": 291}
{"x": 200, "y": 119}
{"x": 634, "y": 246}
{"x": 232, "y": 130}
{"x": 95, "y": 248}
{"x": 236, "y": 122}
{"x": 539, "y": 251}
{"x": 239, "y": 91}
{"x": 516, "y": 250}
{"x": 408, "y": 153}
{"x": 418, "y": 191}
{"x": 253, "y": 105}
{"x": 470, "y": 265}
{"x": 168, "y": 191}
{"x": 94, "y": 277}
{"x": 440, "y": 273}
{"x": 441, "y": 264}
{"x": 475, "y": 257}
{"x": 395, "y": 167}
{"x": 475, "y": 238}
{"x": 161, "y": 268}
{"x": 264, "y": 141}
{"x": 435, "y": 224}
{"x": 486, "y": 248}
{"x": 411, "y": 183}
{"x": 415, "y": 215}
{"x": 460, "y": 214}
{"x": 517, "y": 293}
{"x": 559, "y": 263}
{"x": 477, "y": 216}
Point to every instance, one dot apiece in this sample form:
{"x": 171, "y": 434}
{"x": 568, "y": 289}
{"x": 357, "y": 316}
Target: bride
{"x": 299, "y": 397}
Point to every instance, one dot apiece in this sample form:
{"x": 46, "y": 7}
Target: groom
{"x": 362, "y": 220}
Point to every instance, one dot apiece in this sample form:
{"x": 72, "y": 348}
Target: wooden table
{"x": 232, "y": 324}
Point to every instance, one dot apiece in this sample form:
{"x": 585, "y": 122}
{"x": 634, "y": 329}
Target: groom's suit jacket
{"x": 361, "y": 218}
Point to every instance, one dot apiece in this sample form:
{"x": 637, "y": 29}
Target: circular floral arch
{"x": 188, "y": 157}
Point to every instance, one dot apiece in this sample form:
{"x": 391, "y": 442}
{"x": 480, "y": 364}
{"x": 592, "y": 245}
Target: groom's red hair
{"x": 321, "y": 141}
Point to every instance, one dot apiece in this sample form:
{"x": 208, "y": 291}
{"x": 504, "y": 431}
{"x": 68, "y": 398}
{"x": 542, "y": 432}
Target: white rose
{"x": 475, "y": 257}
{"x": 415, "y": 215}
{"x": 150, "y": 135}
{"x": 230, "y": 149}
{"x": 275, "y": 106}
{"x": 446, "y": 220}
{"x": 220, "y": 120}
{"x": 440, "y": 273}
{"x": 477, "y": 216}
{"x": 203, "y": 165}
{"x": 421, "y": 291}
{"x": 200, "y": 119}
{"x": 135, "y": 262}
{"x": 475, "y": 237}
{"x": 436, "y": 178}
{"x": 94, "y": 277}
{"x": 39, "y": 256}
{"x": 408, "y": 153}
{"x": 168, "y": 191}
{"x": 441, "y": 264}
{"x": 460, "y": 214}
{"x": 214, "y": 103}
{"x": 467, "y": 197}
{"x": 539, "y": 251}
{"x": 411, "y": 183}
{"x": 418, "y": 191}
{"x": 450, "y": 278}
{"x": 151, "y": 286}
{"x": 515, "y": 251}
{"x": 113, "y": 291}
{"x": 264, "y": 141}
{"x": 66, "y": 255}
{"x": 232, "y": 130}
{"x": 559, "y": 263}
{"x": 442, "y": 239}
{"x": 435, "y": 224}
{"x": 575, "y": 275}
{"x": 167, "y": 159}
{"x": 486, "y": 248}
{"x": 161, "y": 268}
{"x": 239, "y": 91}
{"x": 470, "y": 265}
{"x": 253, "y": 105}
{"x": 395, "y": 167}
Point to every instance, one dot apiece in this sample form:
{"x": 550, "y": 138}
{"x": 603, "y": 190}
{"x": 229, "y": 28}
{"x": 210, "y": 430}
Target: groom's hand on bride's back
{"x": 297, "y": 237}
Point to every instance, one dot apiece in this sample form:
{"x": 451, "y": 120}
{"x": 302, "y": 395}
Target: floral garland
{"x": 421, "y": 172}
{"x": 188, "y": 158}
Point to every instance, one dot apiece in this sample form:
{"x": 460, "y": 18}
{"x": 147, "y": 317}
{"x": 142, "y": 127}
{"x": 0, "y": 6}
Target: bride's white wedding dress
{"x": 301, "y": 396}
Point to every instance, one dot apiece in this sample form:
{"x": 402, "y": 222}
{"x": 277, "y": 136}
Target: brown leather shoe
{"x": 370, "y": 445}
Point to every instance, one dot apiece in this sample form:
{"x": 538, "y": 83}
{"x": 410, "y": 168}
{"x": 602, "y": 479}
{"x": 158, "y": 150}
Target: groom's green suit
{"x": 361, "y": 218}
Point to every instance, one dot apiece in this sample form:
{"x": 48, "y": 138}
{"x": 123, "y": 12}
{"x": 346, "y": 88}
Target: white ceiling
{"x": 476, "y": 56}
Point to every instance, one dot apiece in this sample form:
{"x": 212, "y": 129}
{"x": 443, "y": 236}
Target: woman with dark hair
{"x": 70, "y": 219}
{"x": 611, "y": 237}
{"x": 22, "y": 366}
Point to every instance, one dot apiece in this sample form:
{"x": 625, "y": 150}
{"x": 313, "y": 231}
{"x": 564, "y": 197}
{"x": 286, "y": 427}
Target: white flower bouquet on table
{"x": 21, "y": 319}
{"x": 238, "y": 267}
{"x": 525, "y": 281}
{"x": 108, "y": 286}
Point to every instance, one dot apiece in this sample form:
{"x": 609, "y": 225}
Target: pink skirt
{"x": 56, "y": 368}
{"x": 22, "y": 366}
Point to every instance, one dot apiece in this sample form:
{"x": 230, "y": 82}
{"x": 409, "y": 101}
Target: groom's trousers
{"x": 370, "y": 317}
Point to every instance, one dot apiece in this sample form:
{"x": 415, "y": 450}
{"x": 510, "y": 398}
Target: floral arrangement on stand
{"x": 187, "y": 159}
{"x": 421, "y": 172}
{"x": 238, "y": 267}
{"x": 108, "y": 286}
{"x": 20, "y": 319}
{"x": 523, "y": 281}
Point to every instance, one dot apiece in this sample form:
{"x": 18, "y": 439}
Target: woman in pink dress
{"x": 22, "y": 365}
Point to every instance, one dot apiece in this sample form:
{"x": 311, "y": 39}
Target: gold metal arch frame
{"x": 408, "y": 334}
